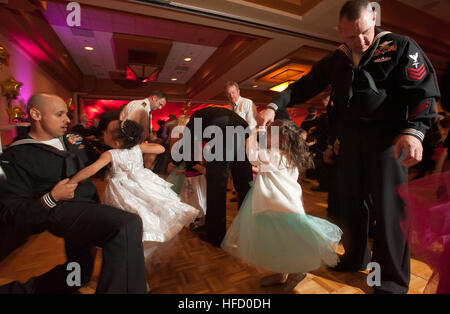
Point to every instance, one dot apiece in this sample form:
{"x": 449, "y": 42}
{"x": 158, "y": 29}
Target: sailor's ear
{"x": 35, "y": 114}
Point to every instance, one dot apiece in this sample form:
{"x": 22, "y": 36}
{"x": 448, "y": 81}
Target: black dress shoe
{"x": 196, "y": 227}
{"x": 379, "y": 291}
{"x": 319, "y": 189}
{"x": 345, "y": 267}
{"x": 203, "y": 236}
{"x": 293, "y": 280}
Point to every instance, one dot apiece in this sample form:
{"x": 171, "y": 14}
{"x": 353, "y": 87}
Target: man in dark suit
{"x": 227, "y": 154}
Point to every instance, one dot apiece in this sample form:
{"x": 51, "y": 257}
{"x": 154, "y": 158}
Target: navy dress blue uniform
{"x": 390, "y": 92}
{"x": 32, "y": 170}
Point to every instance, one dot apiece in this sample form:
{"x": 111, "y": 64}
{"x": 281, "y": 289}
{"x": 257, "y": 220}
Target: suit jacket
{"x": 213, "y": 116}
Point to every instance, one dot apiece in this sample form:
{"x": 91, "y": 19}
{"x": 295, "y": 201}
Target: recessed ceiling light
{"x": 88, "y": 48}
{"x": 174, "y": 79}
{"x": 187, "y": 59}
{"x": 255, "y": 86}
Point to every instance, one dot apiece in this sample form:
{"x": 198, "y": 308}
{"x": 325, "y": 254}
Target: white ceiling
{"x": 97, "y": 30}
{"x": 176, "y": 66}
{"x": 319, "y": 21}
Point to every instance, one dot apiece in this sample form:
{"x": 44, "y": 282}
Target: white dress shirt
{"x": 246, "y": 109}
{"x": 133, "y": 106}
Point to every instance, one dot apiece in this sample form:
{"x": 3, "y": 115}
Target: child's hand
{"x": 63, "y": 190}
{"x": 261, "y": 130}
{"x": 170, "y": 167}
{"x": 255, "y": 169}
{"x": 200, "y": 169}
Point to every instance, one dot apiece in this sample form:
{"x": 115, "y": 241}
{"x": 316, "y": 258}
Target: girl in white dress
{"x": 272, "y": 230}
{"x": 193, "y": 192}
{"x": 136, "y": 189}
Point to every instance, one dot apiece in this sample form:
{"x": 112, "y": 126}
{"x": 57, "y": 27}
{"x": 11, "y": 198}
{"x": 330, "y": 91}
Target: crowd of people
{"x": 359, "y": 149}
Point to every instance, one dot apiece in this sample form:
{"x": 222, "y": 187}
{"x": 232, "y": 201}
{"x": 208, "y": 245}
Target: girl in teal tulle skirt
{"x": 176, "y": 176}
{"x": 272, "y": 230}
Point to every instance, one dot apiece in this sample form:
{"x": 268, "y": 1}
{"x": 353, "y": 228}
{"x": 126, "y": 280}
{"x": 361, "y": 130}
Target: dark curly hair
{"x": 129, "y": 133}
{"x": 292, "y": 145}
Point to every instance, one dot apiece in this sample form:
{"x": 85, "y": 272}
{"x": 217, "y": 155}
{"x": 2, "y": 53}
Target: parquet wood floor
{"x": 197, "y": 267}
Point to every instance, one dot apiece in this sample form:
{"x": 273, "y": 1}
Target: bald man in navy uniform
{"x": 37, "y": 194}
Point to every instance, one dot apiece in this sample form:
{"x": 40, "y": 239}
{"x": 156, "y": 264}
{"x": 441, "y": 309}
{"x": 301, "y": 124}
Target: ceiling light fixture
{"x": 187, "y": 59}
{"x": 174, "y": 79}
{"x": 281, "y": 87}
{"x": 143, "y": 72}
{"x": 88, "y": 48}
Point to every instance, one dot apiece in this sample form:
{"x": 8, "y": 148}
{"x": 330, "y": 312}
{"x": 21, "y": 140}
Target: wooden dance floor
{"x": 195, "y": 266}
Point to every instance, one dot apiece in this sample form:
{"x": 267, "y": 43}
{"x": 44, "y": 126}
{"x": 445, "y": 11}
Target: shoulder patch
{"x": 416, "y": 68}
{"x": 74, "y": 139}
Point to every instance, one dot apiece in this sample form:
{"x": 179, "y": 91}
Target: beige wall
{"x": 25, "y": 70}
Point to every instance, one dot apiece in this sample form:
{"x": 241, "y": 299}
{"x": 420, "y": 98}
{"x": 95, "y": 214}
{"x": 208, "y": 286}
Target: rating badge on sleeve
{"x": 418, "y": 69}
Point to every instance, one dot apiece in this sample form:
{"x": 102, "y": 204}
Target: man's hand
{"x": 63, "y": 190}
{"x": 265, "y": 117}
{"x": 412, "y": 147}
